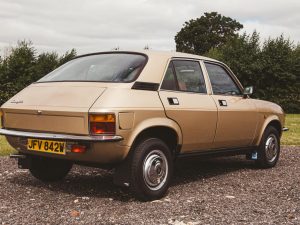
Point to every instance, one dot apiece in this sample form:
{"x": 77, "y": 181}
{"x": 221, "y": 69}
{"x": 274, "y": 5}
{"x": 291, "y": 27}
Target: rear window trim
{"x": 103, "y": 53}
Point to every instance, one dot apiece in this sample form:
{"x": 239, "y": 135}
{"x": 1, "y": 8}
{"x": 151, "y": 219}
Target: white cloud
{"x": 98, "y": 25}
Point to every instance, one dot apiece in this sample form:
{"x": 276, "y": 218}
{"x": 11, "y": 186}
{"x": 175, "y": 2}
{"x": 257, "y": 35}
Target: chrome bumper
{"x": 285, "y": 129}
{"x": 102, "y": 138}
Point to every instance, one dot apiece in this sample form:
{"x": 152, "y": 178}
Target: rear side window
{"x": 184, "y": 75}
{"x": 221, "y": 81}
{"x": 170, "y": 81}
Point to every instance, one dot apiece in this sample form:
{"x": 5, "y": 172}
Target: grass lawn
{"x": 5, "y": 148}
{"x": 291, "y": 137}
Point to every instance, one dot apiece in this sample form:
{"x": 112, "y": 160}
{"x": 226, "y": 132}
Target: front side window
{"x": 221, "y": 81}
{"x": 184, "y": 75}
{"x": 110, "y": 67}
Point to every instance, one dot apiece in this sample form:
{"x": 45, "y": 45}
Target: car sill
{"x": 219, "y": 152}
{"x": 52, "y": 136}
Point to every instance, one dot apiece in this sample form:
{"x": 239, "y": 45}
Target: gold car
{"x": 137, "y": 112}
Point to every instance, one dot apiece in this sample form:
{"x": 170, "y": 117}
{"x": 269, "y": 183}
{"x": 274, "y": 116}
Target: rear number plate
{"x": 56, "y": 147}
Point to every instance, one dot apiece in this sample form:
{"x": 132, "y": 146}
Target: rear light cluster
{"x": 102, "y": 124}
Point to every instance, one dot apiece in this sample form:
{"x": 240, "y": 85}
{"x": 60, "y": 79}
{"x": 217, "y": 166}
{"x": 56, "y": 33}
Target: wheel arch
{"x": 155, "y": 127}
{"x": 164, "y": 129}
{"x": 270, "y": 121}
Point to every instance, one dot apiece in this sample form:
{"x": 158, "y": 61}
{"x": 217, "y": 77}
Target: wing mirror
{"x": 248, "y": 91}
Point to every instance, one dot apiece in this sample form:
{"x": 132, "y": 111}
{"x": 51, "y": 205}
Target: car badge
{"x": 16, "y": 102}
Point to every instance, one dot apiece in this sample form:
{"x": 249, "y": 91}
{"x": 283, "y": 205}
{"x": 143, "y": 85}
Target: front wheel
{"x": 151, "y": 169}
{"x": 269, "y": 148}
{"x": 48, "y": 169}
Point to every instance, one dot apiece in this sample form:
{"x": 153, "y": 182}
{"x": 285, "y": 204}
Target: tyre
{"x": 151, "y": 169}
{"x": 269, "y": 148}
{"x": 48, "y": 169}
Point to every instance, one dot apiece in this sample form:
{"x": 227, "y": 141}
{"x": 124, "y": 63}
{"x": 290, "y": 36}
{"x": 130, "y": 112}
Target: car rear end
{"x": 52, "y": 117}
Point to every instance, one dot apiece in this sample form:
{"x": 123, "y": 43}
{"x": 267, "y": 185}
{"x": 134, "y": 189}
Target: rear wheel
{"x": 48, "y": 169}
{"x": 151, "y": 169}
{"x": 269, "y": 148}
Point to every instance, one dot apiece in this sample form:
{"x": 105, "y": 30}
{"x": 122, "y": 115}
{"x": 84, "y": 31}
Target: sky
{"x": 101, "y": 25}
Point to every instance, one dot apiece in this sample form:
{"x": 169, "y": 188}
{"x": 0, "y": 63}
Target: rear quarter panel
{"x": 144, "y": 107}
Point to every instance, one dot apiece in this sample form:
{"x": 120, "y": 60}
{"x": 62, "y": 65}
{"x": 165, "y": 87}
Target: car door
{"x": 237, "y": 116}
{"x": 184, "y": 95}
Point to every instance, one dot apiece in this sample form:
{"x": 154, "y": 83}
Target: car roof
{"x": 172, "y": 54}
{"x": 151, "y": 53}
{"x": 156, "y": 63}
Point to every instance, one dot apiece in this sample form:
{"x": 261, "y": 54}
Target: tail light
{"x": 102, "y": 124}
{"x": 78, "y": 148}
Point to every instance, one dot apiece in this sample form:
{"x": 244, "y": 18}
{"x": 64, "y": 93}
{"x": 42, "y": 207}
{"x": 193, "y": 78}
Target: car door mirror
{"x": 248, "y": 91}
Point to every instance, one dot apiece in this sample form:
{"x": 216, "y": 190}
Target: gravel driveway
{"x": 215, "y": 191}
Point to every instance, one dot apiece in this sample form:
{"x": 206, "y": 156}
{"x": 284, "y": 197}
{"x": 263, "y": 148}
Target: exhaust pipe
{"x": 17, "y": 156}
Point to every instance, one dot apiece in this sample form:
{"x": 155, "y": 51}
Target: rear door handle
{"x": 222, "y": 103}
{"x": 173, "y": 101}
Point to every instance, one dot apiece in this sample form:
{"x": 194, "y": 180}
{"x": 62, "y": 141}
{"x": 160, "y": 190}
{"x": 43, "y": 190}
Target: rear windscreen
{"x": 111, "y": 67}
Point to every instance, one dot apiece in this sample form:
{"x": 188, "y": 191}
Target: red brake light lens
{"x": 102, "y": 128}
{"x": 78, "y": 148}
{"x": 102, "y": 124}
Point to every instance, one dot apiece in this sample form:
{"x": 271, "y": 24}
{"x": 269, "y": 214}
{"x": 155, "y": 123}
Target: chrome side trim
{"x": 285, "y": 129}
{"x": 100, "y": 138}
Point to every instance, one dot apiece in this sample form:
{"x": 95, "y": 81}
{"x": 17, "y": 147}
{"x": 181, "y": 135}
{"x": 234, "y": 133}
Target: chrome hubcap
{"x": 155, "y": 169}
{"x": 271, "y": 148}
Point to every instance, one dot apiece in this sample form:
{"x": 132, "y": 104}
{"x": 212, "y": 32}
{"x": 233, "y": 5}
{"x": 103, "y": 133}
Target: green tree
{"x": 17, "y": 70}
{"x": 67, "y": 57}
{"x": 242, "y": 54}
{"x": 17, "y": 67}
{"x": 23, "y": 66}
{"x": 199, "y": 35}
{"x": 45, "y": 63}
{"x": 294, "y": 106}
{"x": 273, "y": 68}
{"x": 280, "y": 75}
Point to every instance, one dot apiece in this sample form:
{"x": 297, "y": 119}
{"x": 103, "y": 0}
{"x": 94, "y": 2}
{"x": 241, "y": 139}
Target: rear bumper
{"x": 25, "y": 134}
{"x": 101, "y": 149}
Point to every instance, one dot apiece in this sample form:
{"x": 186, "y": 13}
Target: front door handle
{"x": 222, "y": 103}
{"x": 173, "y": 101}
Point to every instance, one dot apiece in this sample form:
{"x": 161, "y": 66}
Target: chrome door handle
{"x": 173, "y": 101}
{"x": 222, "y": 103}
